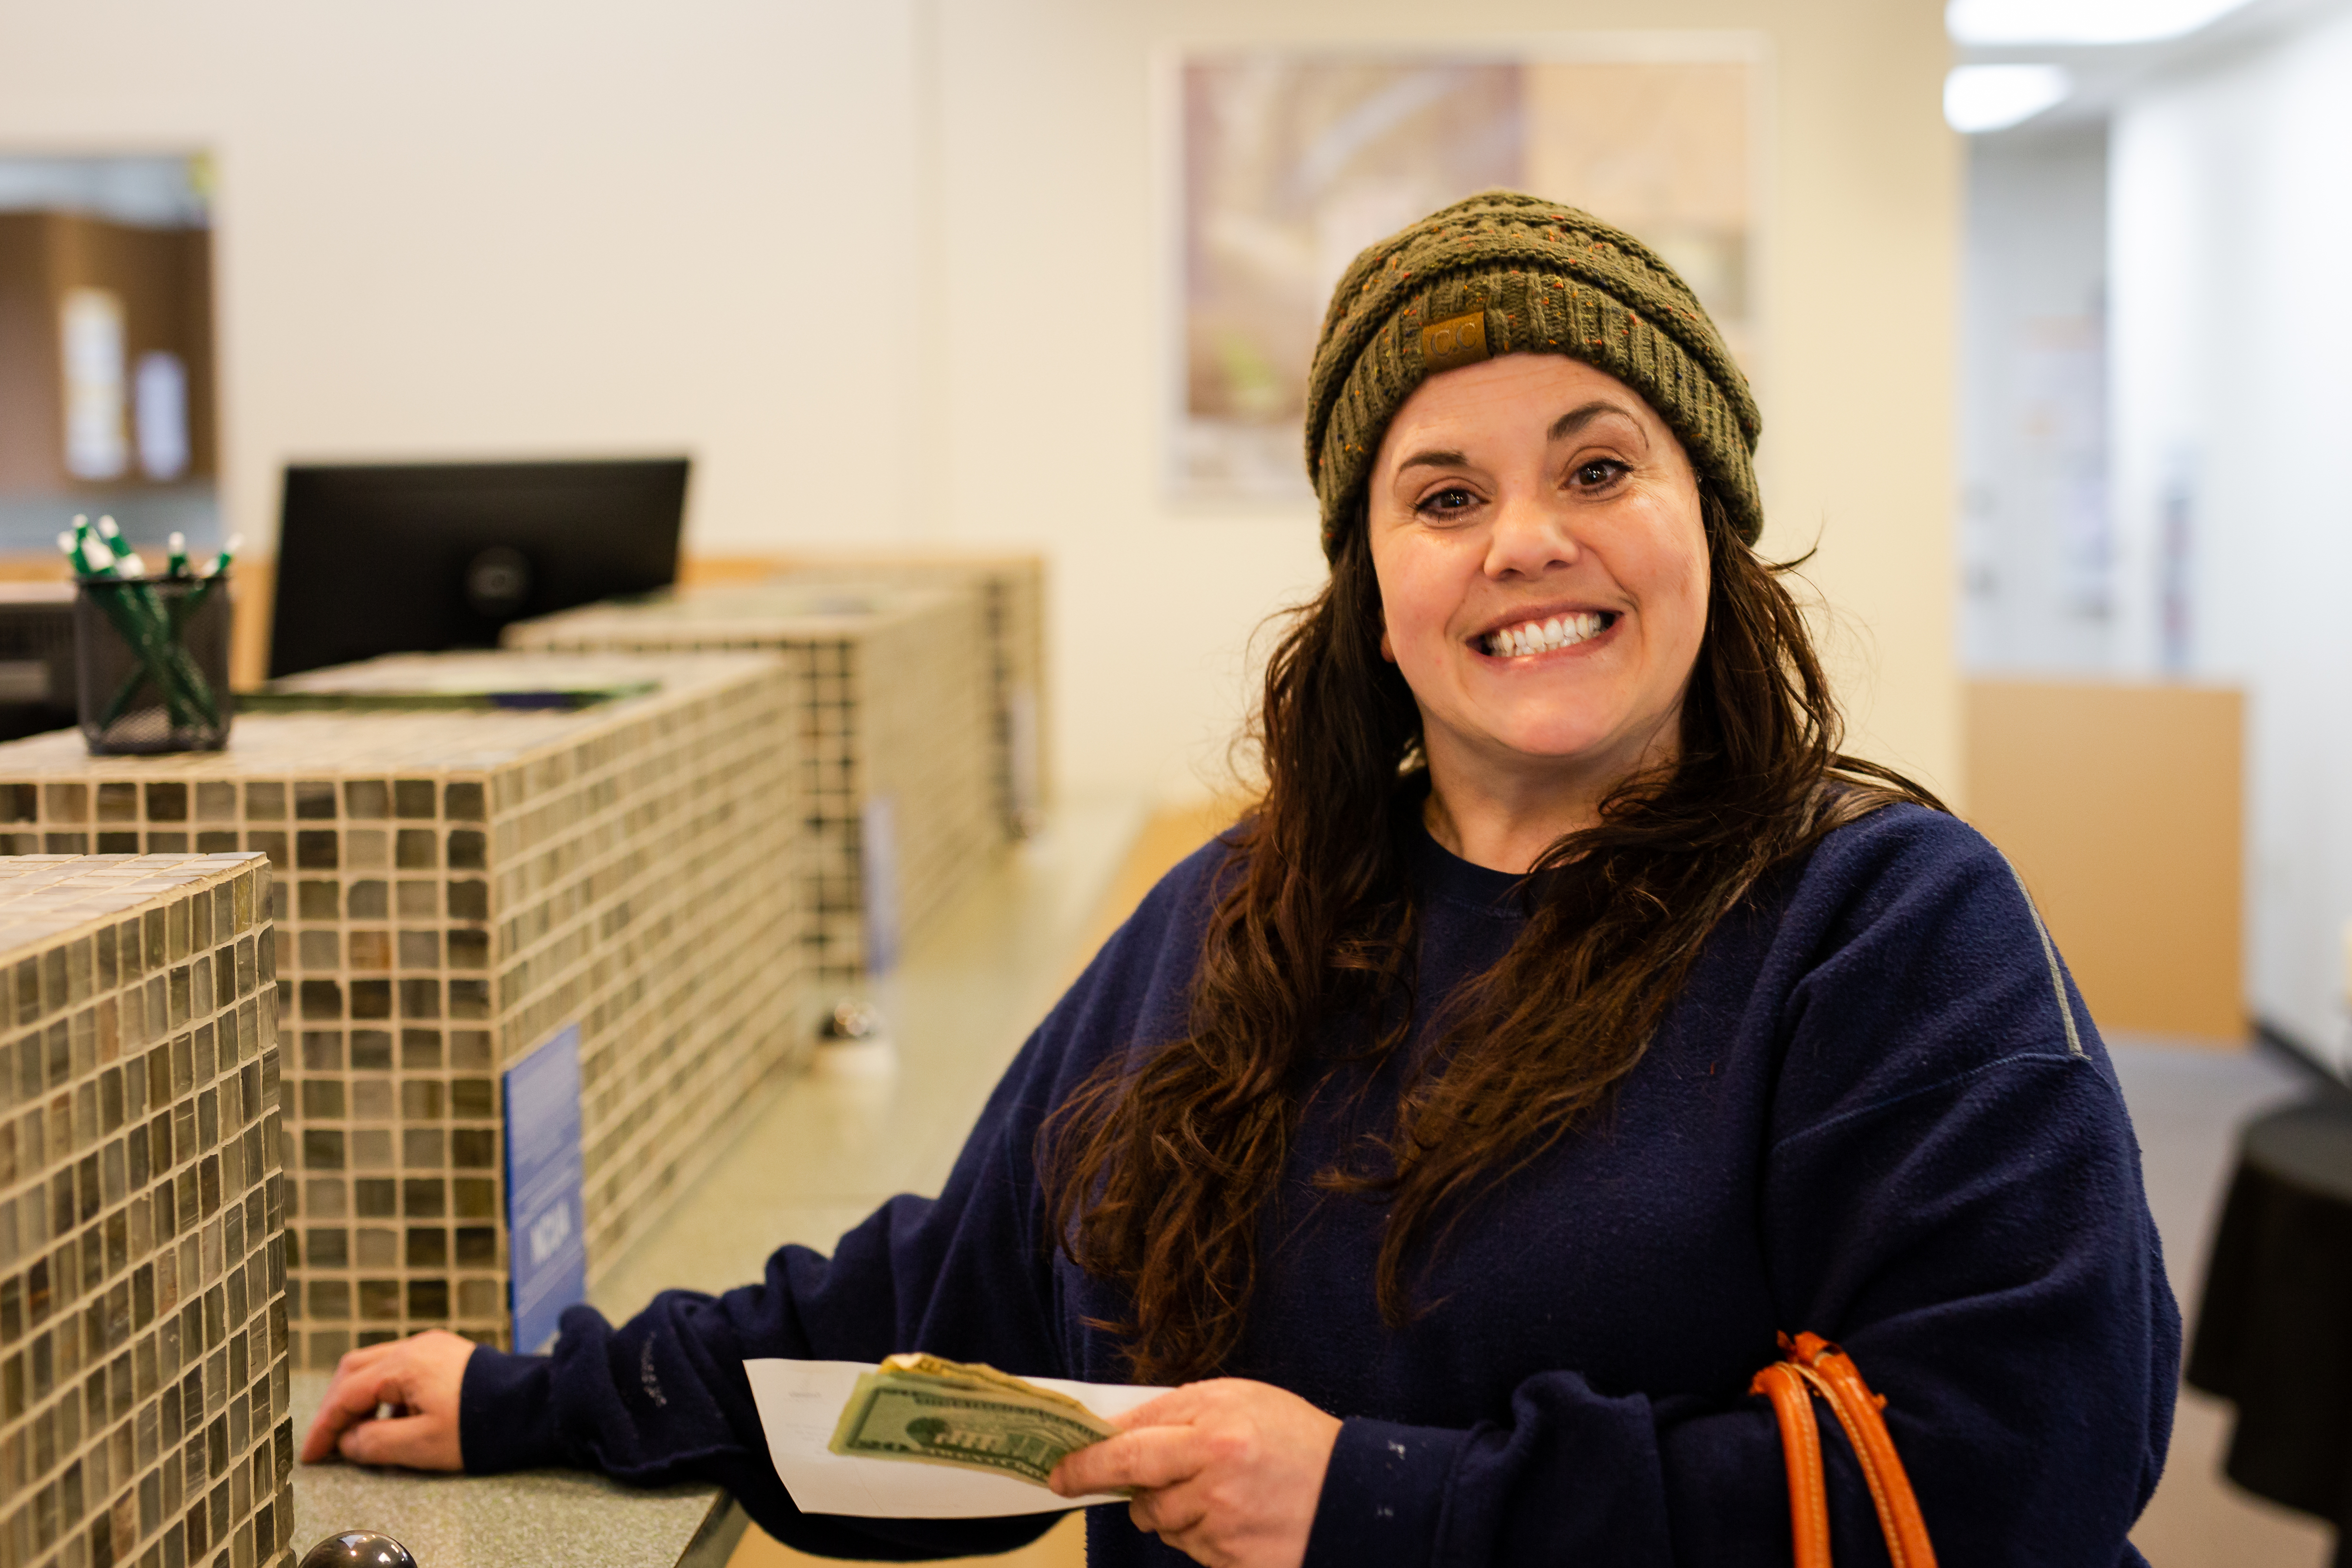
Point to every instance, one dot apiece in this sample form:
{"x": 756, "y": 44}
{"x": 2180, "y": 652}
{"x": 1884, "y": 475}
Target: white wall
{"x": 533, "y": 227}
{"x": 891, "y": 271}
{"x": 1056, "y": 269}
{"x": 2035, "y": 541}
{"x": 2231, "y": 324}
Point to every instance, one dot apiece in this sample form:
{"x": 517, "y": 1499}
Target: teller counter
{"x": 143, "y": 1358}
{"x": 558, "y": 1519}
{"x": 457, "y": 890}
{"x": 893, "y": 710}
{"x": 1010, "y": 587}
{"x": 805, "y": 1165}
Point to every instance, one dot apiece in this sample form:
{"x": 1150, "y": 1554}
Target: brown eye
{"x": 1598, "y": 474}
{"x": 1451, "y": 501}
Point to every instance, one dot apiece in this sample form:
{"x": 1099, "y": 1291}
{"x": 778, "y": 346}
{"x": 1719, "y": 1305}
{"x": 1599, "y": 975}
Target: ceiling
{"x": 2106, "y": 73}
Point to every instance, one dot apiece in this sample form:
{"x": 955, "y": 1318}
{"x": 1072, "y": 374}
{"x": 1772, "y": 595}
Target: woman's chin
{"x": 1547, "y": 743}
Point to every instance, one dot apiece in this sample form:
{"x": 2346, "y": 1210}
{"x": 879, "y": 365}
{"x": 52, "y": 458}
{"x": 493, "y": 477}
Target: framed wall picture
{"x": 107, "y": 396}
{"x": 1285, "y": 163}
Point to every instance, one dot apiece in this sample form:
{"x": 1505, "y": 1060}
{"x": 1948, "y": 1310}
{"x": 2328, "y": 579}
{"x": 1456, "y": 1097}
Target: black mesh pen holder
{"x": 153, "y": 658}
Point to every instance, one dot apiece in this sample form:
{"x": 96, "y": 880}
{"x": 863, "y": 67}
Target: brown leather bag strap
{"x": 1814, "y": 1364}
{"x": 1801, "y": 1449}
{"x": 1832, "y": 1372}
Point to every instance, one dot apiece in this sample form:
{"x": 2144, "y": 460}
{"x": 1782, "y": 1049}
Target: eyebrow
{"x": 1576, "y": 420}
{"x": 1566, "y": 426}
{"x": 1434, "y": 459}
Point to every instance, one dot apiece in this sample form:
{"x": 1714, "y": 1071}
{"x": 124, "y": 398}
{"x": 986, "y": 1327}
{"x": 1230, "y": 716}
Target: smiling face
{"x": 1537, "y": 534}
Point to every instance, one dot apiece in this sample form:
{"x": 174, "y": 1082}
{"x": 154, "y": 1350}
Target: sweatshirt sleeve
{"x": 968, "y": 1274}
{"x": 1951, "y": 1191}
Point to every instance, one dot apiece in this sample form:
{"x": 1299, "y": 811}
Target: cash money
{"x": 933, "y": 1411}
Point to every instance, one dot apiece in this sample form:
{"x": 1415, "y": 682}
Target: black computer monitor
{"x": 417, "y": 557}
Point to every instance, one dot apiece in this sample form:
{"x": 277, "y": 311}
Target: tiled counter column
{"x": 143, "y": 1339}
{"x": 453, "y": 887}
{"x": 893, "y": 712}
{"x": 1012, "y": 590}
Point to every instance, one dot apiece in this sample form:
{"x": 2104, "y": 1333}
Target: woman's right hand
{"x": 419, "y": 1377}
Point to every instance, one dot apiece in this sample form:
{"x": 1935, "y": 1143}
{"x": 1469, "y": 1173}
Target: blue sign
{"x": 547, "y": 1252}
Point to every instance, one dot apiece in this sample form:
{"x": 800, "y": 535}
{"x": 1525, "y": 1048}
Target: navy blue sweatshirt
{"x": 1878, "y": 1112}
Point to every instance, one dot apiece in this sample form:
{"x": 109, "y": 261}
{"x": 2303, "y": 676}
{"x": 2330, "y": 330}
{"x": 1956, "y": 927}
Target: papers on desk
{"x": 800, "y": 1401}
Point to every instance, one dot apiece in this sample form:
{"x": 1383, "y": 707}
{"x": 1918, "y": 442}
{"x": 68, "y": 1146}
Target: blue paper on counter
{"x": 547, "y": 1253}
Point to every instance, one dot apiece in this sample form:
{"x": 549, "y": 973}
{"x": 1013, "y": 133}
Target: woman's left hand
{"x": 1227, "y": 1471}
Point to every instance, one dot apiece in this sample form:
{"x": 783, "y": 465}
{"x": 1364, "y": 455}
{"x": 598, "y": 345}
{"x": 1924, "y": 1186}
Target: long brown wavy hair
{"x": 1157, "y": 1170}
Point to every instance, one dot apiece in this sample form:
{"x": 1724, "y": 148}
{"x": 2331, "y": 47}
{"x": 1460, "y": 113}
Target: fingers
{"x": 352, "y": 1397}
{"x": 1168, "y": 1515}
{"x": 1227, "y": 1471}
{"x": 418, "y": 1441}
{"x": 1105, "y": 1466}
{"x": 1148, "y": 1456}
{"x": 1173, "y": 1408}
{"x": 422, "y": 1377}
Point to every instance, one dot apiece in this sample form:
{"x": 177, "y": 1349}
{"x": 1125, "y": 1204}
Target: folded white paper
{"x": 800, "y": 1404}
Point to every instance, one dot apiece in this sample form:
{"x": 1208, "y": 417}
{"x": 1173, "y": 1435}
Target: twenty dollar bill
{"x": 936, "y": 1412}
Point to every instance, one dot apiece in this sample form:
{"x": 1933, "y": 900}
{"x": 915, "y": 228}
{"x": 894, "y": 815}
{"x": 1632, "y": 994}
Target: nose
{"x": 1528, "y": 540}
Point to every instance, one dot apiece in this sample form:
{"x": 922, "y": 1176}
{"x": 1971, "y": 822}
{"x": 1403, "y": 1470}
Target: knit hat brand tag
{"x": 1455, "y": 341}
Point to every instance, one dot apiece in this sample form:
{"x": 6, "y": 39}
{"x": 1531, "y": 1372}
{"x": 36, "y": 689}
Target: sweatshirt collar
{"x": 1441, "y": 874}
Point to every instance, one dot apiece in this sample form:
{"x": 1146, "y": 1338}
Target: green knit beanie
{"x": 1505, "y": 273}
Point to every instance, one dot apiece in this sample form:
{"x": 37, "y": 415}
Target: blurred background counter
{"x": 892, "y": 698}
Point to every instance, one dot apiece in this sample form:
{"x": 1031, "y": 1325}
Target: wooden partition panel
{"x": 2121, "y": 806}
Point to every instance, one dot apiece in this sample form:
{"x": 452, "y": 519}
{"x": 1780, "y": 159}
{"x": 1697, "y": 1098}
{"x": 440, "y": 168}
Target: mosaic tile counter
{"x": 893, "y": 726}
{"x": 1011, "y": 589}
{"x": 144, "y": 1339}
{"x": 453, "y": 887}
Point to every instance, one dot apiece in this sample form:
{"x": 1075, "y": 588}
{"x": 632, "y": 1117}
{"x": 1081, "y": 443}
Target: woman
{"x": 1458, "y": 1130}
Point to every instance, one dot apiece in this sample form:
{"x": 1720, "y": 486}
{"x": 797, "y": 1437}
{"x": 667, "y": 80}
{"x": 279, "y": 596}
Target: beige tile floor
{"x": 824, "y": 1152}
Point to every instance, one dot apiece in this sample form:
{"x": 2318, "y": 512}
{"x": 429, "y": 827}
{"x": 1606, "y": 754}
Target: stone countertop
{"x": 535, "y": 1518}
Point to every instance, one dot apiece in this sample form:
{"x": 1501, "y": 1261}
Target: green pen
{"x": 212, "y": 572}
{"x": 94, "y": 562}
{"x": 152, "y": 630}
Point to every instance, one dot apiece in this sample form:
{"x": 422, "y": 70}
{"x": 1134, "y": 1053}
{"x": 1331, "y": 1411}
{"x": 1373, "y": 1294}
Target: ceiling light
{"x": 1990, "y": 22}
{"x": 1993, "y": 98}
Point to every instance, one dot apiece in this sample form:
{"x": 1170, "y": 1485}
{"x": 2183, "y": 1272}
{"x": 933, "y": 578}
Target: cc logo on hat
{"x": 1457, "y": 340}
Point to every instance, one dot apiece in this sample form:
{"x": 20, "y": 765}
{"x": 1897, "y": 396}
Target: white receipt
{"x": 800, "y": 1404}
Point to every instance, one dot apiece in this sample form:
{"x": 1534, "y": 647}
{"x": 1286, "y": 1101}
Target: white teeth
{"x": 1542, "y": 636}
